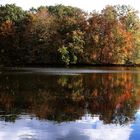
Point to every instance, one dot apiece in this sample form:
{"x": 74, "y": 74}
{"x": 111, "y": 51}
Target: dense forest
{"x": 68, "y": 35}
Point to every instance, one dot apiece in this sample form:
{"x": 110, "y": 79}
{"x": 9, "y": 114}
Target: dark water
{"x": 70, "y": 104}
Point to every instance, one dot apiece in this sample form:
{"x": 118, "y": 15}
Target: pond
{"x": 70, "y": 103}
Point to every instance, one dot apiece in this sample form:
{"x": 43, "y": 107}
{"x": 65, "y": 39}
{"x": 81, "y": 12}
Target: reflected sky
{"x": 86, "y": 128}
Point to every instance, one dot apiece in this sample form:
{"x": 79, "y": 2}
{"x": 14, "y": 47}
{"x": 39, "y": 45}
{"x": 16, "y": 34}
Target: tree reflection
{"x": 114, "y": 97}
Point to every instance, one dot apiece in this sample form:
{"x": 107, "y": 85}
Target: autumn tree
{"x": 38, "y": 33}
{"x": 11, "y": 17}
{"x": 70, "y": 22}
{"x": 128, "y": 16}
{"x": 109, "y": 40}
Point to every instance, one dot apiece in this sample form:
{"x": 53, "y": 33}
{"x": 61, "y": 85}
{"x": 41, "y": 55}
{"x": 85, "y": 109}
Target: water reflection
{"x": 81, "y": 107}
{"x": 88, "y": 128}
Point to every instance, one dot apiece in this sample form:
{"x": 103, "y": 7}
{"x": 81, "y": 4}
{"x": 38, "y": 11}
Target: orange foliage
{"x": 7, "y": 29}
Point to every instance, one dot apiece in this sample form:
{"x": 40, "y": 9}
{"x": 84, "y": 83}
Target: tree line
{"x": 68, "y": 35}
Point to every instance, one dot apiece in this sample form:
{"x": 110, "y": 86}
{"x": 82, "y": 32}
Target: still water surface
{"x": 70, "y": 104}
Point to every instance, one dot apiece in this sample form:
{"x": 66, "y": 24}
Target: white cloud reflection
{"x": 88, "y": 128}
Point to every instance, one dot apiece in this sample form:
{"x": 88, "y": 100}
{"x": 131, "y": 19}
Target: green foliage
{"x": 64, "y": 55}
{"x": 11, "y": 12}
{"x": 61, "y": 11}
{"x": 73, "y": 48}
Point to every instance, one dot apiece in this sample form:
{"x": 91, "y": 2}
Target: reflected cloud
{"x": 88, "y": 128}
